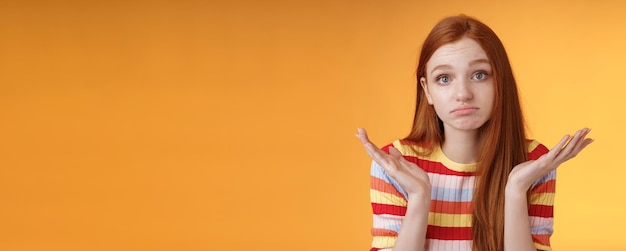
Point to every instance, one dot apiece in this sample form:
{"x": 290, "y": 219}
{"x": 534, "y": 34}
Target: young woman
{"x": 466, "y": 177}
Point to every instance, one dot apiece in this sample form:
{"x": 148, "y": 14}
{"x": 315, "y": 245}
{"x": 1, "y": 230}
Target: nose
{"x": 463, "y": 91}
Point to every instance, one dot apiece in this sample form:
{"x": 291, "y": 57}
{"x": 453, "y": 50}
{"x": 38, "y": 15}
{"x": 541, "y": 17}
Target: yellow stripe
{"x": 386, "y": 198}
{"x": 439, "y": 156}
{"x": 450, "y": 220}
{"x": 532, "y": 145}
{"x": 407, "y": 151}
{"x": 542, "y": 247}
{"x": 384, "y": 241}
{"x": 546, "y": 199}
{"x": 436, "y": 156}
{"x": 390, "y": 241}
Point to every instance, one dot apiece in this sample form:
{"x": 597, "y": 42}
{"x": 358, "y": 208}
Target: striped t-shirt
{"x": 450, "y": 216}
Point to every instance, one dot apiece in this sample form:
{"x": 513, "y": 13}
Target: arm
{"x": 412, "y": 234}
{"x": 397, "y": 221}
{"x": 517, "y": 226}
{"x": 538, "y": 215}
{"x": 517, "y": 232}
{"x": 394, "y": 181}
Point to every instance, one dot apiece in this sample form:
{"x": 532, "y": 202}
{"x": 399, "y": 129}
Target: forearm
{"x": 412, "y": 235}
{"x": 517, "y": 233}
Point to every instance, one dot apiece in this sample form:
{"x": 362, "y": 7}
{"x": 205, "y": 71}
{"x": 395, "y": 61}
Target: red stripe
{"x": 382, "y": 186}
{"x": 388, "y": 209}
{"x": 436, "y": 167}
{"x": 450, "y": 207}
{"x": 537, "y": 152}
{"x": 383, "y": 232}
{"x": 541, "y": 211}
{"x": 546, "y": 187}
{"x": 543, "y": 239}
{"x": 449, "y": 233}
{"x": 430, "y": 166}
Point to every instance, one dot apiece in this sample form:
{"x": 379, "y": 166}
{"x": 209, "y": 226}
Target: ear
{"x": 425, "y": 87}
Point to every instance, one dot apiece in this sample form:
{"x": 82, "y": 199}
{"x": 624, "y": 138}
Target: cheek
{"x": 440, "y": 98}
{"x": 489, "y": 100}
{"x": 492, "y": 96}
{"x": 486, "y": 93}
{"x": 439, "y": 106}
{"x": 440, "y": 103}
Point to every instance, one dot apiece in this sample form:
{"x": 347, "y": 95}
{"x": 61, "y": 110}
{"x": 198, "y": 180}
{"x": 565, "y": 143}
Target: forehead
{"x": 458, "y": 52}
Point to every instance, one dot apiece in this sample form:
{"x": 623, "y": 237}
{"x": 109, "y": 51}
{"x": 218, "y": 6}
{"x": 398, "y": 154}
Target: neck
{"x": 461, "y": 146}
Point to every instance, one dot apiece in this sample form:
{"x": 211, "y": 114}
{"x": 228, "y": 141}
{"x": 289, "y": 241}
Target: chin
{"x": 472, "y": 126}
{"x": 469, "y": 128}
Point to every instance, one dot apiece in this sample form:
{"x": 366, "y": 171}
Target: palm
{"x": 526, "y": 173}
{"x": 410, "y": 176}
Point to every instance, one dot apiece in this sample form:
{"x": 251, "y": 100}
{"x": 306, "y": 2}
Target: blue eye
{"x": 443, "y": 79}
{"x": 480, "y": 75}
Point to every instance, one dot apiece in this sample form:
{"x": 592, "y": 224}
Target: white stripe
{"x": 541, "y": 221}
{"x": 388, "y": 221}
{"x": 446, "y": 245}
{"x": 451, "y": 181}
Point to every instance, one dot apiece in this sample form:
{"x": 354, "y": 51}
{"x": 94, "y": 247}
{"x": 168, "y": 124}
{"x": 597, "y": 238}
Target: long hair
{"x": 502, "y": 137}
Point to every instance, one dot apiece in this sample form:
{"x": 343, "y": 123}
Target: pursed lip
{"x": 464, "y": 108}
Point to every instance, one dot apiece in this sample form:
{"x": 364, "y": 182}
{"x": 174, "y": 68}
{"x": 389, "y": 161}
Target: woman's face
{"x": 459, "y": 84}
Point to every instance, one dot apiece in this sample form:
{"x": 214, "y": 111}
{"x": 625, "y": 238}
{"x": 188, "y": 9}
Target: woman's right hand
{"x": 410, "y": 176}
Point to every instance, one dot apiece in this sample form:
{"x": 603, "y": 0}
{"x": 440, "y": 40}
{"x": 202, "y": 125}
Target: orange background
{"x": 195, "y": 125}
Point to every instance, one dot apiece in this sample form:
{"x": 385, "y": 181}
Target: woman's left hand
{"x": 525, "y": 174}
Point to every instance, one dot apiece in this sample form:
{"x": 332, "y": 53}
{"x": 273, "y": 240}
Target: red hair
{"x": 502, "y": 137}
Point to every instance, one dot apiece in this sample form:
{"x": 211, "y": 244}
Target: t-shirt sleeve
{"x": 541, "y": 202}
{"x": 389, "y": 203}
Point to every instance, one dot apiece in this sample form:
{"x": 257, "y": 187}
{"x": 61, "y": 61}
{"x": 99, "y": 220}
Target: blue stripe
{"x": 437, "y": 193}
{"x": 378, "y": 172}
{"x": 452, "y": 195}
{"x": 395, "y": 228}
{"x": 550, "y": 176}
{"x": 541, "y": 230}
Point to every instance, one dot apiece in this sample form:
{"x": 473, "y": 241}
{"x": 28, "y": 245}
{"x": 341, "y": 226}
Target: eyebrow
{"x": 473, "y": 62}
{"x": 480, "y": 61}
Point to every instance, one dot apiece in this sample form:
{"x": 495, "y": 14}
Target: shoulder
{"x": 407, "y": 148}
{"x": 536, "y": 149}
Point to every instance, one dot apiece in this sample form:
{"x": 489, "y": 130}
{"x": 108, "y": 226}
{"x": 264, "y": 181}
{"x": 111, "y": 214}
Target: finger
{"x": 557, "y": 148}
{"x": 362, "y": 135}
{"x": 577, "y": 145}
{"x": 582, "y": 142}
{"x": 403, "y": 165}
{"x": 396, "y": 154}
{"x": 377, "y": 155}
{"x": 369, "y": 146}
{"x": 587, "y": 142}
{"x": 386, "y": 161}
{"x": 568, "y": 151}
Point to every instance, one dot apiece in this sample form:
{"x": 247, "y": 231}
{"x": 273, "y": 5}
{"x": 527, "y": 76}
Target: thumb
{"x": 395, "y": 153}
